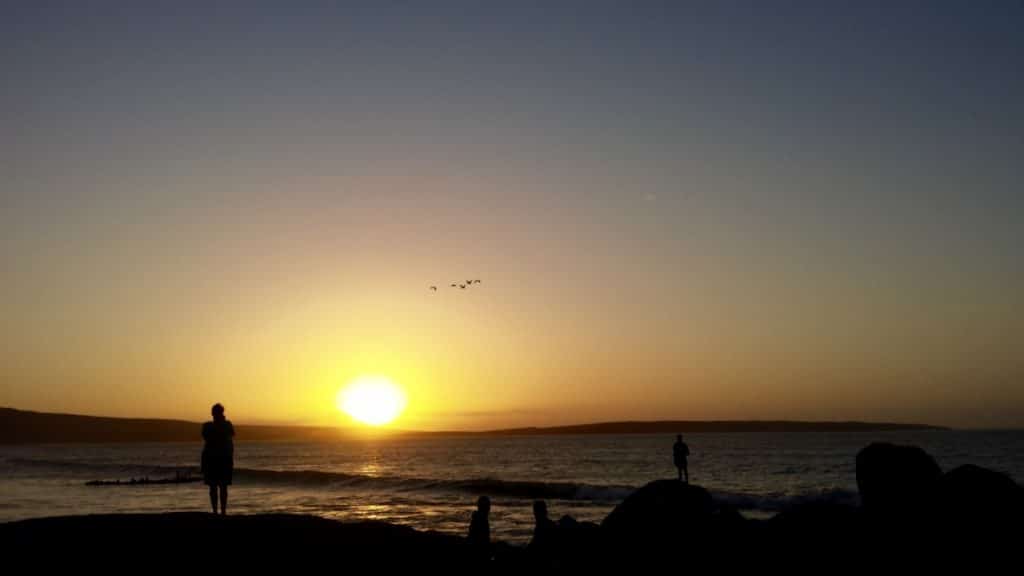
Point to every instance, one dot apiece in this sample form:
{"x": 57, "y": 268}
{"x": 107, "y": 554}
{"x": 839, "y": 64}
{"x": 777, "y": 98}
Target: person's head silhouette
{"x": 679, "y": 437}
{"x": 217, "y": 411}
{"x": 540, "y": 510}
{"x": 483, "y": 504}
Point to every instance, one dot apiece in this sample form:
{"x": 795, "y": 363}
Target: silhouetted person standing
{"x": 545, "y": 531}
{"x": 679, "y": 453}
{"x": 218, "y": 457}
{"x": 480, "y": 529}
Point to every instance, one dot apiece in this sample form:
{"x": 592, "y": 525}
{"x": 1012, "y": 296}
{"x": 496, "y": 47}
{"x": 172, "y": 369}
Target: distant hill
{"x": 692, "y": 426}
{"x": 24, "y": 427}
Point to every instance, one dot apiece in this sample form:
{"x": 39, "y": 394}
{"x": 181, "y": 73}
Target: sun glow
{"x": 373, "y": 400}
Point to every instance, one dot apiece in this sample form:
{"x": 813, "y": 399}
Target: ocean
{"x": 433, "y": 482}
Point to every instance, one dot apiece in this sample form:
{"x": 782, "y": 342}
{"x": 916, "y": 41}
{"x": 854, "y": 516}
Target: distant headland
{"x": 697, "y": 426}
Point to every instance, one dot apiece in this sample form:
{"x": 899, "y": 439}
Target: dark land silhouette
{"x": 691, "y": 426}
{"x": 25, "y": 427}
{"x": 912, "y": 515}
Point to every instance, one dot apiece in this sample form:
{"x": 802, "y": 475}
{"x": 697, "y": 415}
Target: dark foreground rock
{"x": 974, "y": 504}
{"x": 198, "y": 539}
{"x": 663, "y": 508}
{"x": 908, "y": 504}
{"x": 894, "y": 480}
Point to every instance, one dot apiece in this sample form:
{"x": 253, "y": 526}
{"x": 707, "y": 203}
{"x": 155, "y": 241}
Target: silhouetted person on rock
{"x": 480, "y": 529}
{"x": 218, "y": 457}
{"x": 679, "y": 453}
{"x": 545, "y": 532}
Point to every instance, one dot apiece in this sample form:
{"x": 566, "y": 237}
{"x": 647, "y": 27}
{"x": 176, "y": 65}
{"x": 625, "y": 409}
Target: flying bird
{"x": 477, "y": 281}
{"x": 454, "y": 285}
{"x": 462, "y": 286}
{"x": 434, "y": 288}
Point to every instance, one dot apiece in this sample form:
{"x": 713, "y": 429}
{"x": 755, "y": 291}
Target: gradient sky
{"x": 727, "y": 210}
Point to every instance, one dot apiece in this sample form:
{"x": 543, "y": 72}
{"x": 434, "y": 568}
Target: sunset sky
{"x": 678, "y": 210}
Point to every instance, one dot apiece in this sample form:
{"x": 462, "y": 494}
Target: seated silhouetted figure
{"x": 679, "y": 453}
{"x": 480, "y": 529}
{"x": 545, "y": 533}
{"x": 218, "y": 457}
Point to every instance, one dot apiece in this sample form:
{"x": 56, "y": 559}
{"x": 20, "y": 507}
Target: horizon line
{"x": 527, "y": 429}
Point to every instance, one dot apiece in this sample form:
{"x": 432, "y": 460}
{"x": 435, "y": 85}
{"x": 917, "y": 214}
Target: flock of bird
{"x": 460, "y": 286}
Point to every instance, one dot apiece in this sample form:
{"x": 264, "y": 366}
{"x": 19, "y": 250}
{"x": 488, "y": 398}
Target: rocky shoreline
{"x": 910, "y": 511}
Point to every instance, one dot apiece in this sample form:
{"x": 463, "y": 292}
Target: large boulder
{"x": 974, "y": 498}
{"x": 661, "y": 510}
{"x": 895, "y": 480}
{"x": 975, "y": 513}
{"x": 667, "y": 522}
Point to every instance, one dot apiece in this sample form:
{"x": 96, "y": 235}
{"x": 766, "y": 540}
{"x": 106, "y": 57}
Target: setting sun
{"x": 372, "y": 400}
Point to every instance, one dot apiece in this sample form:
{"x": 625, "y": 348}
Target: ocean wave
{"x": 306, "y": 477}
{"x": 516, "y": 489}
{"x": 488, "y": 486}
